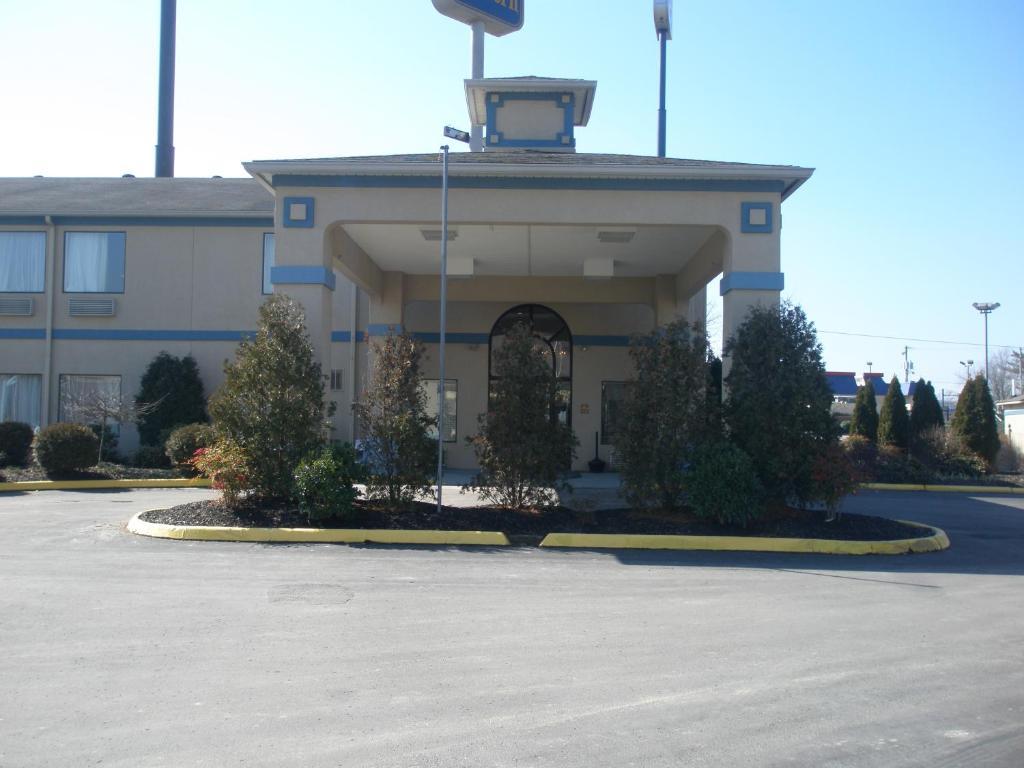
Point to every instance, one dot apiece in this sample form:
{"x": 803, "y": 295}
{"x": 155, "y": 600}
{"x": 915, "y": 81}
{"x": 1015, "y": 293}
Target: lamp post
{"x": 967, "y": 365}
{"x": 986, "y": 308}
{"x": 451, "y": 133}
{"x": 663, "y": 26}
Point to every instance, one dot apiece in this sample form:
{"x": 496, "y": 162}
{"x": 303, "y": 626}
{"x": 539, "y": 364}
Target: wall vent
{"x": 17, "y": 307}
{"x": 91, "y": 307}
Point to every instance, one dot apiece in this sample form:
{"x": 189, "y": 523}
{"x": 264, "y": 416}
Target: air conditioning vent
{"x": 91, "y": 307}
{"x": 17, "y": 307}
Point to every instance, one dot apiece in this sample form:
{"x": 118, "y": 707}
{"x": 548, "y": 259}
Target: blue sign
{"x": 498, "y": 16}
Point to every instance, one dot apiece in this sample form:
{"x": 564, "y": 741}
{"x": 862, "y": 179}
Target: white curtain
{"x": 22, "y": 262}
{"x": 82, "y": 396}
{"x": 451, "y": 394}
{"x": 20, "y": 398}
{"x": 94, "y": 262}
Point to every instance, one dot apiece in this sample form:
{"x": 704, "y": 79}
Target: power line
{"x": 925, "y": 341}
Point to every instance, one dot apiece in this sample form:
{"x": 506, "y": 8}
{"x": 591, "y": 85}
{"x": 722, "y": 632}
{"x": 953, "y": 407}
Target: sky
{"x": 911, "y": 112}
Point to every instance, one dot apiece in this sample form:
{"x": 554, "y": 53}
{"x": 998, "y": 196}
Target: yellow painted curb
{"x": 941, "y": 488}
{"x": 316, "y": 535}
{"x": 78, "y": 485}
{"x": 932, "y": 543}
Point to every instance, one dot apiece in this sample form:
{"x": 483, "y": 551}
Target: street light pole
{"x": 986, "y": 308}
{"x": 444, "y": 320}
{"x": 663, "y": 26}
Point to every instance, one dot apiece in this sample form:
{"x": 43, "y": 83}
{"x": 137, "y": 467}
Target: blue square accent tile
{"x": 756, "y": 217}
{"x": 298, "y": 212}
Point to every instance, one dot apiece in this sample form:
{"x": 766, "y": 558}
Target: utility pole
{"x": 908, "y": 366}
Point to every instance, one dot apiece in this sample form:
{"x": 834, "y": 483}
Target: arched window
{"x": 554, "y": 340}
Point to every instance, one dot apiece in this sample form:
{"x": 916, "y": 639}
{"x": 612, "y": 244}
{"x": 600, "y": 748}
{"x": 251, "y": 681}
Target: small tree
{"x": 271, "y": 404}
{"x": 893, "y": 421}
{"x": 926, "y": 413}
{"x": 101, "y": 409}
{"x": 397, "y": 449}
{"x": 521, "y": 446}
{"x": 864, "y": 421}
{"x": 665, "y": 417}
{"x": 173, "y": 387}
{"x": 974, "y": 422}
{"x": 779, "y": 401}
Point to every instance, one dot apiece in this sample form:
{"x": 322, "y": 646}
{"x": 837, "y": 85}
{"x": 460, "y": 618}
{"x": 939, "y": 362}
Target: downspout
{"x": 352, "y": 360}
{"x": 51, "y": 289}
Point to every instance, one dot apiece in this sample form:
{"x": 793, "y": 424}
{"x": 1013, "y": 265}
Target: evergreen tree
{"x": 926, "y": 413}
{"x": 521, "y": 446}
{"x": 778, "y": 407}
{"x": 397, "y": 449}
{"x": 893, "y": 420}
{"x": 172, "y": 387}
{"x": 864, "y": 421}
{"x": 271, "y": 404}
{"x": 665, "y": 416}
{"x": 974, "y": 421}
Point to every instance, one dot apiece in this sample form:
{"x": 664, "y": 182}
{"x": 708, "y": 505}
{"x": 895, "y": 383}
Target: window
{"x": 20, "y": 397}
{"x": 94, "y": 262}
{"x": 337, "y": 379}
{"x": 268, "y": 261}
{"x": 451, "y": 399}
{"x": 613, "y": 394}
{"x": 86, "y": 399}
{"x": 22, "y": 262}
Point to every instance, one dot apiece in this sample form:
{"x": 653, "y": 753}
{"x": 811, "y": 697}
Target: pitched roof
{"x": 163, "y": 196}
{"x": 842, "y": 382}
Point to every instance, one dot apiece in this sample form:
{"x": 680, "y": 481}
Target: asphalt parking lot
{"x": 118, "y": 650}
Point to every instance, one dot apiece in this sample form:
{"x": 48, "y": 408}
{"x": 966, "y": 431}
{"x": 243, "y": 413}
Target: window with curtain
{"x": 21, "y": 397}
{"x": 94, "y": 262}
{"x": 22, "y": 262}
{"x": 83, "y": 397}
{"x": 451, "y": 400}
{"x": 268, "y": 261}
{"x": 613, "y": 396}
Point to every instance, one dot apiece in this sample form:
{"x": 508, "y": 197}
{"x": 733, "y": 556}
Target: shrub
{"x": 397, "y": 448}
{"x": 225, "y": 463}
{"x": 974, "y": 422}
{"x": 522, "y": 446}
{"x": 835, "y": 476}
{"x": 66, "y": 447}
{"x": 862, "y": 454}
{"x": 893, "y": 421}
{"x": 172, "y": 387}
{"x": 779, "y": 402}
{"x": 864, "y": 420}
{"x": 271, "y": 404}
{"x": 1008, "y": 459}
{"x": 325, "y": 484}
{"x": 150, "y": 457}
{"x": 665, "y": 415}
{"x": 894, "y": 465}
{"x": 723, "y": 485}
{"x": 15, "y": 443}
{"x": 182, "y": 444}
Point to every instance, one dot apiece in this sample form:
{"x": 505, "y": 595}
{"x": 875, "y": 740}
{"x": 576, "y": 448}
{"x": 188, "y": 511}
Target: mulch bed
{"x": 530, "y": 528}
{"x": 102, "y": 471}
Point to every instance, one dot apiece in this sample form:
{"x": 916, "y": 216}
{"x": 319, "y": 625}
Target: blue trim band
{"x": 382, "y": 329}
{"x": 484, "y": 182}
{"x": 600, "y": 341}
{"x": 428, "y": 337}
{"x": 746, "y": 209}
{"x": 117, "y": 334}
{"x": 345, "y": 337}
{"x": 752, "y": 281}
{"x": 143, "y": 221}
{"x": 22, "y": 333}
{"x": 306, "y": 222}
{"x": 296, "y": 275}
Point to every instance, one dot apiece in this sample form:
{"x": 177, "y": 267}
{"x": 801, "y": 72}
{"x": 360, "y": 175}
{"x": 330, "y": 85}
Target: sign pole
{"x": 476, "y": 141}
